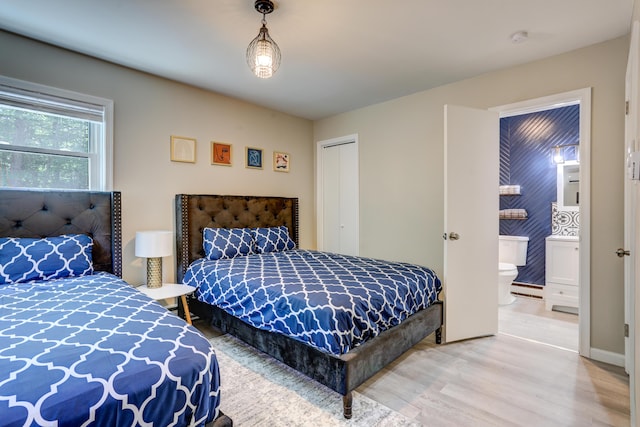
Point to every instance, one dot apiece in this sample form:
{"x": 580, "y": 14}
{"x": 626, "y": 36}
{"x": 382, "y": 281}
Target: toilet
{"x": 512, "y": 252}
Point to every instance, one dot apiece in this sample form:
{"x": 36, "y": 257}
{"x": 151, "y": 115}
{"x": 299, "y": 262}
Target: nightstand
{"x": 170, "y": 290}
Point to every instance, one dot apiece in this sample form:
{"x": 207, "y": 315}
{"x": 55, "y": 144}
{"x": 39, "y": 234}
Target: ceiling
{"x": 337, "y": 55}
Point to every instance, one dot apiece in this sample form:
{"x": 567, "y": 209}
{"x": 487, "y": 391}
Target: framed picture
{"x": 254, "y": 158}
{"x": 281, "y": 161}
{"x": 220, "y": 153}
{"x": 183, "y": 149}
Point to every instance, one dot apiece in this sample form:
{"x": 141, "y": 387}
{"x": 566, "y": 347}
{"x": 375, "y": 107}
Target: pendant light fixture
{"x": 263, "y": 54}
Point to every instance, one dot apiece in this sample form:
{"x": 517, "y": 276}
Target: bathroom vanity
{"x": 562, "y": 272}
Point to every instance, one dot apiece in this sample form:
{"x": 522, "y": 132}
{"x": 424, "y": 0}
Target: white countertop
{"x": 563, "y": 238}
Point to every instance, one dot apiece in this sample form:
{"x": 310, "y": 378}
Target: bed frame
{"x": 340, "y": 373}
{"x": 47, "y": 213}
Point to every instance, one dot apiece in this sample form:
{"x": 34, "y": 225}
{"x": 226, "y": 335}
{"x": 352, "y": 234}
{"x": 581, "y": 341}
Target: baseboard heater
{"x": 527, "y": 290}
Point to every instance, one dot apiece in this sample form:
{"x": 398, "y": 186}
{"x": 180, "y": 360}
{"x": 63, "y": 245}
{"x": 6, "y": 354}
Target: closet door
{"x": 339, "y": 198}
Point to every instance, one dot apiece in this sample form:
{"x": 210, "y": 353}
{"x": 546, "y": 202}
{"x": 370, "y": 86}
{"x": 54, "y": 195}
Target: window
{"x": 50, "y": 138}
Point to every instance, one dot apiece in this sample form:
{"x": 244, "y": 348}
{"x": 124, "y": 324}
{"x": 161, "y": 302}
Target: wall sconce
{"x": 263, "y": 54}
{"x": 559, "y": 153}
{"x": 558, "y": 158}
{"x": 153, "y": 245}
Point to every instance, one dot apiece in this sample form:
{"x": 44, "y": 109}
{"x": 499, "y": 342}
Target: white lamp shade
{"x": 154, "y": 244}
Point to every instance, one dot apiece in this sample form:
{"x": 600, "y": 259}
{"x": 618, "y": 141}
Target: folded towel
{"x": 513, "y": 214}
{"x": 510, "y": 190}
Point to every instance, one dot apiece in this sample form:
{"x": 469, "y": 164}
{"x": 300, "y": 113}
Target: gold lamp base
{"x": 154, "y": 273}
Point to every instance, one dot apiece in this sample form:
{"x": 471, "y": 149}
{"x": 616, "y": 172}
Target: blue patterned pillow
{"x": 221, "y": 243}
{"x": 272, "y": 239}
{"x": 27, "y": 259}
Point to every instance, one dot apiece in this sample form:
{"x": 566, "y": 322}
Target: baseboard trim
{"x": 605, "y": 356}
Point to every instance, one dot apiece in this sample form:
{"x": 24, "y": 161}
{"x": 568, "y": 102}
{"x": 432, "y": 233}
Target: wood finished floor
{"x": 527, "y": 318}
{"x": 503, "y": 380}
{"x": 506, "y": 381}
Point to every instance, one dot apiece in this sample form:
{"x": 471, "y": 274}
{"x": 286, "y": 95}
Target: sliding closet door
{"x": 339, "y": 199}
{"x": 331, "y": 199}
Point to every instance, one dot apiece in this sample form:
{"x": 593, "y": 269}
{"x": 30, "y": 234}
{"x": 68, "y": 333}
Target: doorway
{"x": 583, "y": 99}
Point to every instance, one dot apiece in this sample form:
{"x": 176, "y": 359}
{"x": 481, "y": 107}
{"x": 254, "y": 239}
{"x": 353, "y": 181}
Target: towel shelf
{"x": 519, "y": 214}
{"x": 509, "y": 190}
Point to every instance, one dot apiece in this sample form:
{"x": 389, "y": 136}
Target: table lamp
{"x": 153, "y": 245}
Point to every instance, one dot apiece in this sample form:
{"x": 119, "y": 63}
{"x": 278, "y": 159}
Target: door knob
{"x": 454, "y": 236}
{"x": 621, "y": 252}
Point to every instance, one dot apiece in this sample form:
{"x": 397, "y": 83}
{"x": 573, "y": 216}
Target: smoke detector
{"x": 519, "y": 37}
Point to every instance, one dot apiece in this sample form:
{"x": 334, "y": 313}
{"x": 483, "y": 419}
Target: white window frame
{"x": 101, "y": 148}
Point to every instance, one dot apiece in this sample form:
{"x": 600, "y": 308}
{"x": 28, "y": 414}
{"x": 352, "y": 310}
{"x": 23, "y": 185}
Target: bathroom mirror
{"x": 568, "y": 182}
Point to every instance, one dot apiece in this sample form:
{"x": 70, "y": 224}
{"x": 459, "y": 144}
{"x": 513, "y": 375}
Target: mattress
{"x": 92, "y": 350}
{"x": 329, "y": 301}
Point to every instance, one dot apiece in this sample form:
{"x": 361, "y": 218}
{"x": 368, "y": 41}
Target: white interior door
{"x": 470, "y": 277}
{"x": 631, "y": 217}
{"x": 629, "y": 196}
{"x": 338, "y": 196}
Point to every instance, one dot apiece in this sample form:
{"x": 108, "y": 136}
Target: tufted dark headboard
{"x": 195, "y": 212}
{"x": 46, "y": 213}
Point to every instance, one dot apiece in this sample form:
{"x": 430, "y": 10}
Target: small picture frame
{"x": 183, "y": 149}
{"x": 254, "y": 158}
{"x": 220, "y": 153}
{"x": 281, "y": 161}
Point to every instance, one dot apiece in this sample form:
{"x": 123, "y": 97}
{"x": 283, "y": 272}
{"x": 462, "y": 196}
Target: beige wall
{"x": 401, "y": 165}
{"x": 401, "y": 153}
{"x": 147, "y": 111}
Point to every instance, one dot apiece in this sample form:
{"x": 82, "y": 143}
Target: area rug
{"x": 257, "y": 390}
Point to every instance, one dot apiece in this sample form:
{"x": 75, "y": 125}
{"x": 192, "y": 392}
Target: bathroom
{"x": 534, "y": 149}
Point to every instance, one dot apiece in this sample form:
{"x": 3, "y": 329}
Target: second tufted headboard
{"x": 47, "y": 213}
{"x": 194, "y": 212}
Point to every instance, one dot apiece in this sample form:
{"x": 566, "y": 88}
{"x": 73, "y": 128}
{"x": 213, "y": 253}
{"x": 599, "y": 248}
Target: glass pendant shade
{"x": 263, "y": 54}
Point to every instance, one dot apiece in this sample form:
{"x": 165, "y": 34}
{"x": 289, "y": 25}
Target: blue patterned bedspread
{"x": 94, "y": 351}
{"x": 329, "y": 301}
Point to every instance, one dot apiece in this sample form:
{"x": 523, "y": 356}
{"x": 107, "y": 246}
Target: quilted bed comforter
{"x": 92, "y": 350}
{"x": 329, "y": 301}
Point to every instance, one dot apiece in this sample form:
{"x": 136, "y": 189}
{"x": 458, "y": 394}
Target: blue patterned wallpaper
{"x": 526, "y": 143}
